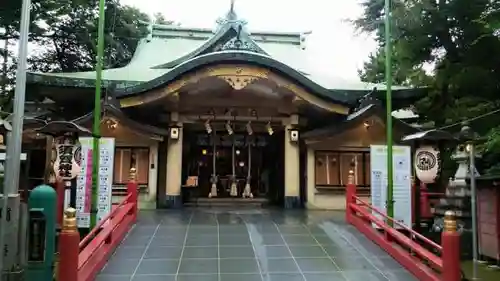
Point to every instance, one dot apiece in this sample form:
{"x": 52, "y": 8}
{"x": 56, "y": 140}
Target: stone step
{"x": 228, "y": 202}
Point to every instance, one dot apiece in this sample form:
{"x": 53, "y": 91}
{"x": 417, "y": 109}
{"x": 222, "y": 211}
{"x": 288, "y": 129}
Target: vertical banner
{"x": 106, "y": 162}
{"x": 105, "y": 180}
{"x": 401, "y": 182}
{"x": 87, "y": 204}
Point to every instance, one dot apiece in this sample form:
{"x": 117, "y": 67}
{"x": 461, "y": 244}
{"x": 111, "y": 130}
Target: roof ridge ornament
{"x": 230, "y": 18}
{"x": 231, "y": 14}
{"x": 151, "y": 25}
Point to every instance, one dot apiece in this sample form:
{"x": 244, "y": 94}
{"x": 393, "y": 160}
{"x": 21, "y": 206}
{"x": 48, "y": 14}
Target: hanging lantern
{"x": 427, "y": 163}
{"x": 68, "y": 157}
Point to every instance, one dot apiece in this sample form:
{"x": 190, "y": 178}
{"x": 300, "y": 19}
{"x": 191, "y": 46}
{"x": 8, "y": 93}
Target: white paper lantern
{"x": 68, "y": 158}
{"x": 427, "y": 163}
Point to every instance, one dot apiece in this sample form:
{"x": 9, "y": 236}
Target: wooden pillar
{"x": 174, "y": 171}
{"x": 292, "y": 167}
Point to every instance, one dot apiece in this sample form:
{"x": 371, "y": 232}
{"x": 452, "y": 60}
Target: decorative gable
{"x": 239, "y": 44}
{"x": 230, "y": 34}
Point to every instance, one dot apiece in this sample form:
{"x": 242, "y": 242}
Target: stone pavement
{"x": 248, "y": 245}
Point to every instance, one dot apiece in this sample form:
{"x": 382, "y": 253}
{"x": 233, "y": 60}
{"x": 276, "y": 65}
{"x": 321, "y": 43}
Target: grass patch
{"x": 484, "y": 273}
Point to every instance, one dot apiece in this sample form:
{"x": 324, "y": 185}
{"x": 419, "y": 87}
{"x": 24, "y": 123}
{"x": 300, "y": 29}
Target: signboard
{"x": 84, "y": 181}
{"x": 37, "y": 236}
{"x": 402, "y": 194}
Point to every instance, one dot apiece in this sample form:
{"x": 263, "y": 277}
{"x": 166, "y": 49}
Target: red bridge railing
{"x": 425, "y": 259}
{"x": 83, "y": 260}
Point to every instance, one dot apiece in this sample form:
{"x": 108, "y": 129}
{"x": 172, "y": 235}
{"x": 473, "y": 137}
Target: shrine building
{"x": 205, "y": 114}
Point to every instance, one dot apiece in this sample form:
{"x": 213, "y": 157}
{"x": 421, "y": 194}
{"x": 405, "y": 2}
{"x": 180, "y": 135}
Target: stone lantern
{"x": 458, "y": 191}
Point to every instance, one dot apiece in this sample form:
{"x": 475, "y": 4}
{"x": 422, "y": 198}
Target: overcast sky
{"x": 333, "y": 47}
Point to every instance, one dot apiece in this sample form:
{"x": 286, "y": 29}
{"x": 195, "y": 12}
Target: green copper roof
{"x": 169, "y": 46}
{"x": 172, "y": 46}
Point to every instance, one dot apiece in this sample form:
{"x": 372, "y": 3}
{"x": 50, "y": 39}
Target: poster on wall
{"x": 84, "y": 180}
{"x": 402, "y": 194}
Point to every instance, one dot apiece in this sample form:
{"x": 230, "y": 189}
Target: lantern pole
{"x": 97, "y": 116}
{"x": 389, "y": 137}
{"x": 14, "y": 143}
{"x": 470, "y": 148}
{"x": 472, "y": 175}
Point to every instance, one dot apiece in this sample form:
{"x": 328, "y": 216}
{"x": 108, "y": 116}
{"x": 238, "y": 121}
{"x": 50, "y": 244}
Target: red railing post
{"x": 350, "y": 196}
{"x": 133, "y": 192}
{"x": 69, "y": 238}
{"x": 59, "y": 187}
{"x": 450, "y": 242}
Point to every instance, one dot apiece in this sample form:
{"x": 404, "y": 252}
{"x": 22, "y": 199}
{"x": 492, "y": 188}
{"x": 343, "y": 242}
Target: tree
{"x": 160, "y": 19}
{"x": 64, "y": 35}
{"x": 70, "y": 36}
{"x": 374, "y": 71}
{"x": 457, "y": 41}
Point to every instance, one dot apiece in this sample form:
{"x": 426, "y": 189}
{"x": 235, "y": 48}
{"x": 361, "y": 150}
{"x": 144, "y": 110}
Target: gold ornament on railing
{"x": 450, "y": 221}
{"x": 69, "y": 221}
{"x": 133, "y": 174}
{"x": 350, "y": 178}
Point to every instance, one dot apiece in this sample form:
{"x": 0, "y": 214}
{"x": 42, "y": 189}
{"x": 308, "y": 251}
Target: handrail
{"x": 408, "y": 250}
{"x": 98, "y": 227}
{"x": 411, "y": 231}
{"x": 84, "y": 260}
{"x": 400, "y": 238}
{"x": 101, "y": 239}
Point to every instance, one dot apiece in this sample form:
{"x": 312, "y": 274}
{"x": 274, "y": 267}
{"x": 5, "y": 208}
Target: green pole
{"x": 388, "y": 77}
{"x": 97, "y": 115}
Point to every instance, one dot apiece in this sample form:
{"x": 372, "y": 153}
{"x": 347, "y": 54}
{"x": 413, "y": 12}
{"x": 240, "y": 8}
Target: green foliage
{"x": 450, "y": 46}
{"x": 71, "y": 32}
{"x": 63, "y": 35}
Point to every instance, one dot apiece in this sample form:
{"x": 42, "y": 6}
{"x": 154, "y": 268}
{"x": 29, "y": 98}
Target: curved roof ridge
{"x": 159, "y": 26}
{"x": 112, "y": 108}
{"x": 356, "y": 118}
{"x": 229, "y": 56}
{"x": 231, "y": 35}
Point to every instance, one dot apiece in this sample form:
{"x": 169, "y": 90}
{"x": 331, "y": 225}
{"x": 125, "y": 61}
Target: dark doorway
{"x": 264, "y": 165}
{"x": 273, "y": 160}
